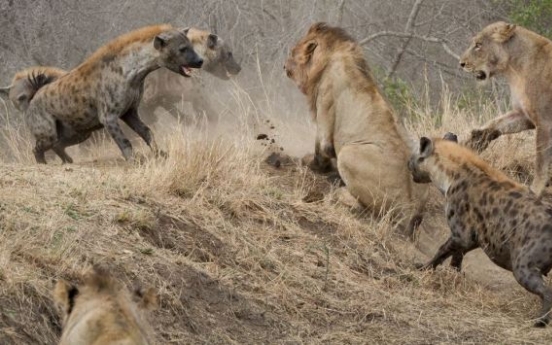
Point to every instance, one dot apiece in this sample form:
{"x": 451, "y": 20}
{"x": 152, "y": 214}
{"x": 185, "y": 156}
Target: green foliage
{"x": 396, "y": 90}
{"x": 535, "y": 15}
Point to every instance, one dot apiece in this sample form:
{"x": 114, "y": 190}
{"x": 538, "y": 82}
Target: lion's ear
{"x": 310, "y": 47}
{"x": 426, "y": 147}
{"x": 64, "y": 295}
{"x": 504, "y": 32}
{"x": 317, "y": 27}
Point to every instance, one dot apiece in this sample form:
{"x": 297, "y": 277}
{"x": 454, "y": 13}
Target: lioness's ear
{"x": 426, "y": 147}
{"x": 160, "y": 40}
{"x": 310, "y": 47}
{"x": 64, "y": 295}
{"x": 451, "y": 137}
{"x": 212, "y": 41}
{"x": 504, "y": 32}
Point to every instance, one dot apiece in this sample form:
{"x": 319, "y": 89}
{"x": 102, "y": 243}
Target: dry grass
{"x": 242, "y": 252}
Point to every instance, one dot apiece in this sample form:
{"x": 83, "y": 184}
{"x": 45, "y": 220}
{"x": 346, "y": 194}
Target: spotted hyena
{"x": 166, "y": 90}
{"x": 107, "y": 87}
{"x": 486, "y": 209}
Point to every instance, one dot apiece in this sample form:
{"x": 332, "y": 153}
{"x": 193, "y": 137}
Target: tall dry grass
{"x": 242, "y": 252}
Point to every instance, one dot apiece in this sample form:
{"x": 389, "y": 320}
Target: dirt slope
{"x": 241, "y": 253}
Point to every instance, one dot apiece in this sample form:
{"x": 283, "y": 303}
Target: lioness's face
{"x": 486, "y": 55}
{"x": 300, "y": 61}
{"x": 176, "y": 52}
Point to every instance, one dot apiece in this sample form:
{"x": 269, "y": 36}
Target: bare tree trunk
{"x": 340, "y": 8}
{"x": 408, "y": 29}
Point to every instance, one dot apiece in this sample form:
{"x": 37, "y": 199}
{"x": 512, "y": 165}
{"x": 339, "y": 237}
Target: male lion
{"x": 22, "y": 90}
{"x": 107, "y": 87}
{"x": 165, "y": 89}
{"x": 355, "y": 124}
{"x": 524, "y": 59}
{"x": 102, "y": 312}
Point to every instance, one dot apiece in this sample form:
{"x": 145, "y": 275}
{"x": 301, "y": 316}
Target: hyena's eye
{"x": 421, "y": 160}
{"x": 183, "y": 49}
{"x": 477, "y": 46}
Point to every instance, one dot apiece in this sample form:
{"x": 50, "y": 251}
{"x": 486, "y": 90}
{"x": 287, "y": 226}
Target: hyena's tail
{"x": 37, "y": 81}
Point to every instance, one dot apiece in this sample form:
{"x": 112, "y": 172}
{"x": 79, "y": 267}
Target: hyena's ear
{"x": 426, "y": 147}
{"x": 185, "y": 31}
{"x": 451, "y": 137}
{"x": 160, "y": 41}
{"x": 212, "y": 41}
{"x": 503, "y": 32}
{"x": 64, "y": 295}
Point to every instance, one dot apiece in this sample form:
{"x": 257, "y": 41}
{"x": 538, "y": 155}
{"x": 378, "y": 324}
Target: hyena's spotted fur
{"x": 488, "y": 210}
{"x": 106, "y": 87}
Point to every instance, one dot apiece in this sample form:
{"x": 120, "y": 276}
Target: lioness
{"x": 102, "y": 312}
{"x": 355, "y": 124}
{"x": 524, "y": 59}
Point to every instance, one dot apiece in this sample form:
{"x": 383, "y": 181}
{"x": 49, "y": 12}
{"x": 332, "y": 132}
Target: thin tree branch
{"x": 408, "y": 29}
{"x": 430, "y": 39}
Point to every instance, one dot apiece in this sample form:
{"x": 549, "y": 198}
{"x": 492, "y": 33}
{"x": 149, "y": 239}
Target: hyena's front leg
{"x": 111, "y": 124}
{"x": 132, "y": 119}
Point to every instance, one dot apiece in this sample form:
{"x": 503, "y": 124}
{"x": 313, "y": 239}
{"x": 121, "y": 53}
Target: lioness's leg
{"x": 132, "y": 119}
{"x": 544, "y": 154}
{"x": 110, "y": 122}
{"x": 513, "y": 122}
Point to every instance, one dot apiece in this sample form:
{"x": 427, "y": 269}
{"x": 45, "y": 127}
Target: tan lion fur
{"x": 102, "y": 312}
{"x": 524, "y": 59}
{"x": 355, "y": 124}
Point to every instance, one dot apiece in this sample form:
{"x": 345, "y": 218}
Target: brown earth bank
{"x": 241, "y": 250}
